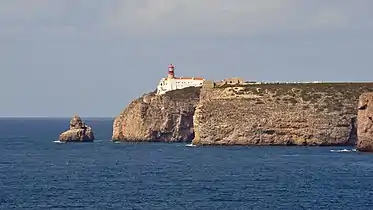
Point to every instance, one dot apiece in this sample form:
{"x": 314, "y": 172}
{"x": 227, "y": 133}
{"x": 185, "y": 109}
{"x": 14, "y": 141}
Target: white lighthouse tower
{"x": 173, "y": 83}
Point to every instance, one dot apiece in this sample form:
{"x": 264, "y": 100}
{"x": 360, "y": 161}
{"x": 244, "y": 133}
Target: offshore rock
{"x": 365, "y": 123}
{"x": 78, "y": 132}
{"x": 162, "y": 118}
{"x": 278, "y": 114}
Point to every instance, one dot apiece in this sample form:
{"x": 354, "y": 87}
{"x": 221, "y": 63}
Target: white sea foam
{"x": 190, "y": 145}
{"x": 343, "y": 150}
{"x": 59, "y": 142}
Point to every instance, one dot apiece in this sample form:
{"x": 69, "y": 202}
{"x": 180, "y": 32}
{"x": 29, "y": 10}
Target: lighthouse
{"x": 171, "y": 71}
{"x": 171, "y": 82}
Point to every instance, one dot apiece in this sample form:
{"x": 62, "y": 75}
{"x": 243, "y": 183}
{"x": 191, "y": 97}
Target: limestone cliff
{"x": 167, "y": 118}
{"x": 365, "y": 123}
{"x": 278, "y": 114}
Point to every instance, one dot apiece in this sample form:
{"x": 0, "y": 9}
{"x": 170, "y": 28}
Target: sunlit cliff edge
{"x": 278, "y": 114}
{"x": 166, "y": 118}
{"x": 246, "y": 114}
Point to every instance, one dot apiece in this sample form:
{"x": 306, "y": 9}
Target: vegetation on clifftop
{"x": 322, "y": 96}
{"x": 185, "y": 93}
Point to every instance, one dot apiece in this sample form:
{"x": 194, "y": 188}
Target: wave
{"x": 59, "y": 142}
{"x": 190, "y": 145}
{"x": 95, "y": 141}
{"x": 343, "y": 150}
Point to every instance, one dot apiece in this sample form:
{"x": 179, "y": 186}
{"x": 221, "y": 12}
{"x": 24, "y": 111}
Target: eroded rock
{"x": 164, "y": 118}
{"x": 321, "y": 114}
{"x": 365, "y": 123}
{"x": 78, "y": 132}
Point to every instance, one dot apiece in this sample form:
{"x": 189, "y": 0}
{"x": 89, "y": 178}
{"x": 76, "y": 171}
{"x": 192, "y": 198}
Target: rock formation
{"x": 166, "y": 118}
{"x": 278, "y": 114}
{"x": 365, "y": 123}
{"x": 78, "y": 132}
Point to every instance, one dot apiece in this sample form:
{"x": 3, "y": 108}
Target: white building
{"x": 173, "y": 83}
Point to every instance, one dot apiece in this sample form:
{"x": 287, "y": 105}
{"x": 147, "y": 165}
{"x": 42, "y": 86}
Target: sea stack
{"x": 365, "y": 123}
{"x": 78, "y": 132}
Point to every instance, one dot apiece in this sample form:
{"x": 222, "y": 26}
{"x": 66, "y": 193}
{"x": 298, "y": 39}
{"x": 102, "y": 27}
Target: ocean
{"x": 38, "y": 173}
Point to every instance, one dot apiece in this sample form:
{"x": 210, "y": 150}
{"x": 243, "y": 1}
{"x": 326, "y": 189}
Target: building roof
{"x": 189, "y": 78}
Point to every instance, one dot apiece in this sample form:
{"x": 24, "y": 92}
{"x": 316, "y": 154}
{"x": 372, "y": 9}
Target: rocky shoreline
{"x": 323, "y": 114}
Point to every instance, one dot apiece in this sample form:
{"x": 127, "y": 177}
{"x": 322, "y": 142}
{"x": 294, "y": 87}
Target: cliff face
{"x": 365, "y": 123}
{"x": 78, "y": 132}
{"x": 279, "y": 114}
{"x": 167, "y": 118}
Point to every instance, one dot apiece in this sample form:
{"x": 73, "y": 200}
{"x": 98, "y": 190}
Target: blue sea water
{"x": 37, "y": 173}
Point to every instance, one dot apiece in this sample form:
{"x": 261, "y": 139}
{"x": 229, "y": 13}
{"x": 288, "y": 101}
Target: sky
{"x": 92, "y": 57}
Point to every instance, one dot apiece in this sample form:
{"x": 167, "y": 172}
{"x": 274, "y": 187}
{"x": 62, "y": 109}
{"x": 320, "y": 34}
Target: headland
{"x": 237, "y": 112}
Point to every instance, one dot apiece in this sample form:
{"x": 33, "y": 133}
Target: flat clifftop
{"x": 151, "y": 117}
{"x": 279, "y": 114}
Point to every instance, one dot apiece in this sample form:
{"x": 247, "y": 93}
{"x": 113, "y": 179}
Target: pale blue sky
{"x": 93, "y": 57}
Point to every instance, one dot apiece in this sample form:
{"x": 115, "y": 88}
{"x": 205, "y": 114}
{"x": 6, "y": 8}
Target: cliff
{"x": 167, "y": 118}
{"x": 278, "y": 114}
{"x": 365, "y": 123}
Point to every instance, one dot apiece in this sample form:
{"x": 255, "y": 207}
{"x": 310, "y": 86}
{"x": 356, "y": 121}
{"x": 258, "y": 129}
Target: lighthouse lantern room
{"x": 171, "y": 71}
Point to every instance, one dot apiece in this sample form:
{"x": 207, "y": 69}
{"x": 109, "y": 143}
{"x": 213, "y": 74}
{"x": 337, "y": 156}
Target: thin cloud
{"x": 190, "y": 17}
{"x": 164, "y": 17}
{"x": 236, "y": 17}
{"x": 21, "y": 8}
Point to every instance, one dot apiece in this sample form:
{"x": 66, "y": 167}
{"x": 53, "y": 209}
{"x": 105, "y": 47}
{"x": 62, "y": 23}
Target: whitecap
{"x": 291, "y": 155}
{"x": 343, "y": 150}
{"x": 59, "y": 142}
{"x": 190, "y": 145}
